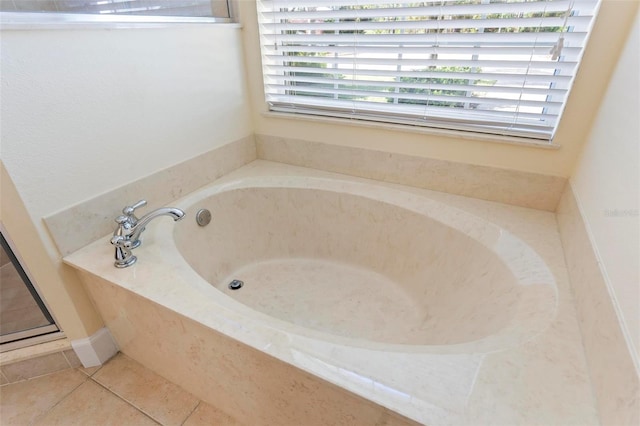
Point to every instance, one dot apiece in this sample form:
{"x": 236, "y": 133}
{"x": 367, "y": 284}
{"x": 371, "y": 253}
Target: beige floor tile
{"x": 72, "y": 358}
{"x": 89, "y": 371}
{"x": 21, "y": 403}
{"x": 160, "y": 399}
{"x": 91, "y": 404}
{"x": 206, "y": 415}
{"x": 35, "y": 367}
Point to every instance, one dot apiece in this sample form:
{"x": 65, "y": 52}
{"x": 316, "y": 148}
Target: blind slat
{"x": 514, "y": 89}
{"x": 420, "y": 111}
{"x": 359, "y": 39}
{"x": 390, "y": 74}
{"x": 436, "y": 9}
{"x": 431, "y": 24}
{"x": 409, "y": 62}
{"x": 570, "y": 53}
{"x": 359, "y": 93}
{"x": 499, "y": 128}
{"x": 269, "y": 5}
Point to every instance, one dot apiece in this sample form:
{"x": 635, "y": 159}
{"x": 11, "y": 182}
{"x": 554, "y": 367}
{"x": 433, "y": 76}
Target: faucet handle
{"x": 129, "y": 210}
{"x": 124, "y": 222}
{"x": 123, "y": 255}
{"x": 120, "y": 241}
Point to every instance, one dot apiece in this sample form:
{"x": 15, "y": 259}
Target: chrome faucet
{"x": 126, "y": 237}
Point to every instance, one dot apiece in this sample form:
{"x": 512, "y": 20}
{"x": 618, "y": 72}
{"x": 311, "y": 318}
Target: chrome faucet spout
{"x": 137, "y": 229}
{"x": 126, "y": 236}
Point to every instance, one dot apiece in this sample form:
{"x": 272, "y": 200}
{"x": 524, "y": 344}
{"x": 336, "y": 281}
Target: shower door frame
{"x": 35, "y": 335}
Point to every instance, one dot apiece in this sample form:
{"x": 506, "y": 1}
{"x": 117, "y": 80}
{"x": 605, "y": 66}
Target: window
{"x": 173, "y": 8}
{"x": 493, "y": 66}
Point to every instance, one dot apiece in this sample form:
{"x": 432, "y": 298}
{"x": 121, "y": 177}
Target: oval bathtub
{"x": 398, "y": 295}
{"x": 366, "y": 264}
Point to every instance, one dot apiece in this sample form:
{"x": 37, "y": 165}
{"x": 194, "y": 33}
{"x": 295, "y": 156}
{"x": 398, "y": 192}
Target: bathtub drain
{"x": 236, "y": 284}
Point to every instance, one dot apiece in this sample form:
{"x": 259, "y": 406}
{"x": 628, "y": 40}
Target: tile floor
{"x": 121, "y": 392}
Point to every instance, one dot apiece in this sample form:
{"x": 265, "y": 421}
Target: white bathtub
{"x": 410, "y": 300}
{"x": 364, "y": 265}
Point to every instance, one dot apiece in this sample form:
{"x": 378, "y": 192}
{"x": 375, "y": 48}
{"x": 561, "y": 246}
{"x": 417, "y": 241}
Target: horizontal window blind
{"x": 493, "y": 66}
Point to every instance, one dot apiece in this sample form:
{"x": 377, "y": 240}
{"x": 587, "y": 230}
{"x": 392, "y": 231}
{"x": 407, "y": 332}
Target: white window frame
{"x": 10, "y": 20}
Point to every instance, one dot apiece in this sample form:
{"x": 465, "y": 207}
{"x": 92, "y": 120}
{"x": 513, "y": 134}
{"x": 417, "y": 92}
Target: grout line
{"x": 122, "y": 399}
{"x": 67, "y": 359}
{"x": 39, "y": 375}
{"x": 83, "y": 369}
{"x": 191, "y": 413}
{"x": 59, "y": 401}
{"x": 133, "y": 404}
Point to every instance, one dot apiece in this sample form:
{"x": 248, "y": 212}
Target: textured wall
{"x": 85, "y": 111}
{"x": 606, "y": 183}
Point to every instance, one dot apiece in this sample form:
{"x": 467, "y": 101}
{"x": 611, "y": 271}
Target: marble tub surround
{"x": 252, "y": 388}
{"x": 513, "y": 187}
{"x": 525, "y": 370}
{"x": 83, "y": 223}
{"x": 614, "y": 377}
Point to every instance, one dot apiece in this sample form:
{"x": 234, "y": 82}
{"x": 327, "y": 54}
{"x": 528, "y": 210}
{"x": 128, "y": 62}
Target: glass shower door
{"x": 23, "y": 315}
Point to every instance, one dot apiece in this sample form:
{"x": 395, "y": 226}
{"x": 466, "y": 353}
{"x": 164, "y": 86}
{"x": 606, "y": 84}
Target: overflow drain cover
{"x": 203, "y": 217}
{"x": 236, "y": 284}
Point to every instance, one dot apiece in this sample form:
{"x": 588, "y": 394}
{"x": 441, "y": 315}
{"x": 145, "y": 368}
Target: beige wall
{"x": 606, "y": 183}
{"x": 60, "y": 288}
{"x": 85, "y": 111}
{"x": 610, "y": 31}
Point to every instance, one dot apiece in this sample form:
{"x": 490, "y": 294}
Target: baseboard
{"x": 96, "y": 349}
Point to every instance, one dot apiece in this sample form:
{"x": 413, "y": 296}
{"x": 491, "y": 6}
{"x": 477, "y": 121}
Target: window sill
{"x": 484, "y": 137}
{"x": 52, "y": 21}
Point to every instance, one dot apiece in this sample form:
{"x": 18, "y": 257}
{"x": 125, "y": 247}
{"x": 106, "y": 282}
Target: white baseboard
{"x": 96, "y": 349}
